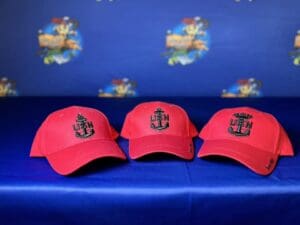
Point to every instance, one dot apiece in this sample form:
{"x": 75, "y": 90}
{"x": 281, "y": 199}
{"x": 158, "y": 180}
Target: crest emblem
{"x": 83, "y": 128}
{"x": 160, "y": 120}
{"x": 241, "y": 125}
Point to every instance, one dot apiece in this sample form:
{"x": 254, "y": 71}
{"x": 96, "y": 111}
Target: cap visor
{"x": 71, "y": 159}
{"x": 180, "y": 146}
{"x": 257, "y": 160}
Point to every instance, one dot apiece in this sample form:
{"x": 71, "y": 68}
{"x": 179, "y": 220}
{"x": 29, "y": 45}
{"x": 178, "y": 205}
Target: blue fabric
{"x": 126, "y": 38}
{"x": 160, "y": 190}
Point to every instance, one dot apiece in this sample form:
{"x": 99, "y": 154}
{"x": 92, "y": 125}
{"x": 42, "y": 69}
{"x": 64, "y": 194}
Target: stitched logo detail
{"x": 240, "y": 125}
{"x": 83, "y": 128}
{"x": 159, "y": 120}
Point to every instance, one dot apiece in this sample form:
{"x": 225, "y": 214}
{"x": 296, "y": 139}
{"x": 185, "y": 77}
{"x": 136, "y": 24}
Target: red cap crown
{"x": 75, "y": 129}
{"x": 253, "y": 137}
{"x": 159, "y": 127}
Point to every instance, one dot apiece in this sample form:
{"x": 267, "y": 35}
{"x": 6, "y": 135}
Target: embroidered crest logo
{"x": 160, "y": 120}
{"x": 241, "y": 125}
{"x": 83, "y": 128}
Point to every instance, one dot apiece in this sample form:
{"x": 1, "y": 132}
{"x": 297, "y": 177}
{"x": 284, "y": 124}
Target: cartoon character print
{"x": 60, "y": 41}
{"x": 296, "y": 52}
{"x": 7, "y": 87}
{"x": 188, "y": 41}
{"x": 119, "y": 88}
{"x": 244, "y": 88}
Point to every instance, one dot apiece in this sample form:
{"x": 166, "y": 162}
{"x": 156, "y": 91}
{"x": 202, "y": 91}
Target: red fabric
{"x": 71, "y": 159}
{"x": 259, "y": 150}
{"x": 57, "y": 141}
{"x": 144, "y": 139}
{"x": 261, "y": 162}
{"x": 180, "y": 146}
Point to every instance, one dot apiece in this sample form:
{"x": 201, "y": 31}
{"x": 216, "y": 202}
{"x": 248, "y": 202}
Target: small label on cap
{"x": 269, "y": 166}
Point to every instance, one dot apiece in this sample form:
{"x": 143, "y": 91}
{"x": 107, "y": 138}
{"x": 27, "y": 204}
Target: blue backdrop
{"x": 241, "y": 43}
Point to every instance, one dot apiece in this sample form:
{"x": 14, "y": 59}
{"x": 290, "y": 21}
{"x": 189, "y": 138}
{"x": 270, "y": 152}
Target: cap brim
{"x": 180, "y": 146}
{"x": 259, "y": 161}
{"x": 71, "y": 159}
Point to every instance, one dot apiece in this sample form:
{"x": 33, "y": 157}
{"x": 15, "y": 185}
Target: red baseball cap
{"x": 72, "y": 137}
{"x": 251, "y": 137}
{"x": 153, "y": 127}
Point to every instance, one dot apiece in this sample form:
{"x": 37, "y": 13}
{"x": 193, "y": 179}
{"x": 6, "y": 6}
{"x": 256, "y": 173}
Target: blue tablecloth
{"x": 157, "y": 190}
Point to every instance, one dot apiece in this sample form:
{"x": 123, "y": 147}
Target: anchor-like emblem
{"x": 160, "y": 120}
{"x": 241, "y": 123}
{"x": 83, "y": 128}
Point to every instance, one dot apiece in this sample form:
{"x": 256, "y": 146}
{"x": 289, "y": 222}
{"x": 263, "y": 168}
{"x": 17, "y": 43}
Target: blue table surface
{"x": 160, "y": 189}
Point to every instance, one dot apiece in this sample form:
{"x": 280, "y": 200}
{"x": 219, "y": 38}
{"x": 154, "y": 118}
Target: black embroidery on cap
{"x": 191, "y": 148}
{"x": 240, "y": 126}
{"x": 160, "y": 120}
{"x": 270, "y": 165}
{"x": 83, "y": 128}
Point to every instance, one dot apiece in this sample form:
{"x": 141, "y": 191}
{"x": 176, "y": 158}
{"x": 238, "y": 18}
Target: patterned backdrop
{"x": 128, "y": 48}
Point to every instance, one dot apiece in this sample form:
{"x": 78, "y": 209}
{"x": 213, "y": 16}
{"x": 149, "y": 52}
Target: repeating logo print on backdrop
{"x": 240, "y": 125}
{"x": 295, "y": 53}
{"x": 188, "y": 41}
{"x": 119, "y": 88}
{"x": 159, "y": 120}
{"x": 60, "y": 41}
{"x": 7, "y": 87}
{"x": 83, "y": 128}
{"x": 244, "y": 88}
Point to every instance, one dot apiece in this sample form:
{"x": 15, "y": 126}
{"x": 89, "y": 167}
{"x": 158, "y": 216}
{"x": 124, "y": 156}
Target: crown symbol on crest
{"x": 243, "y": 116}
